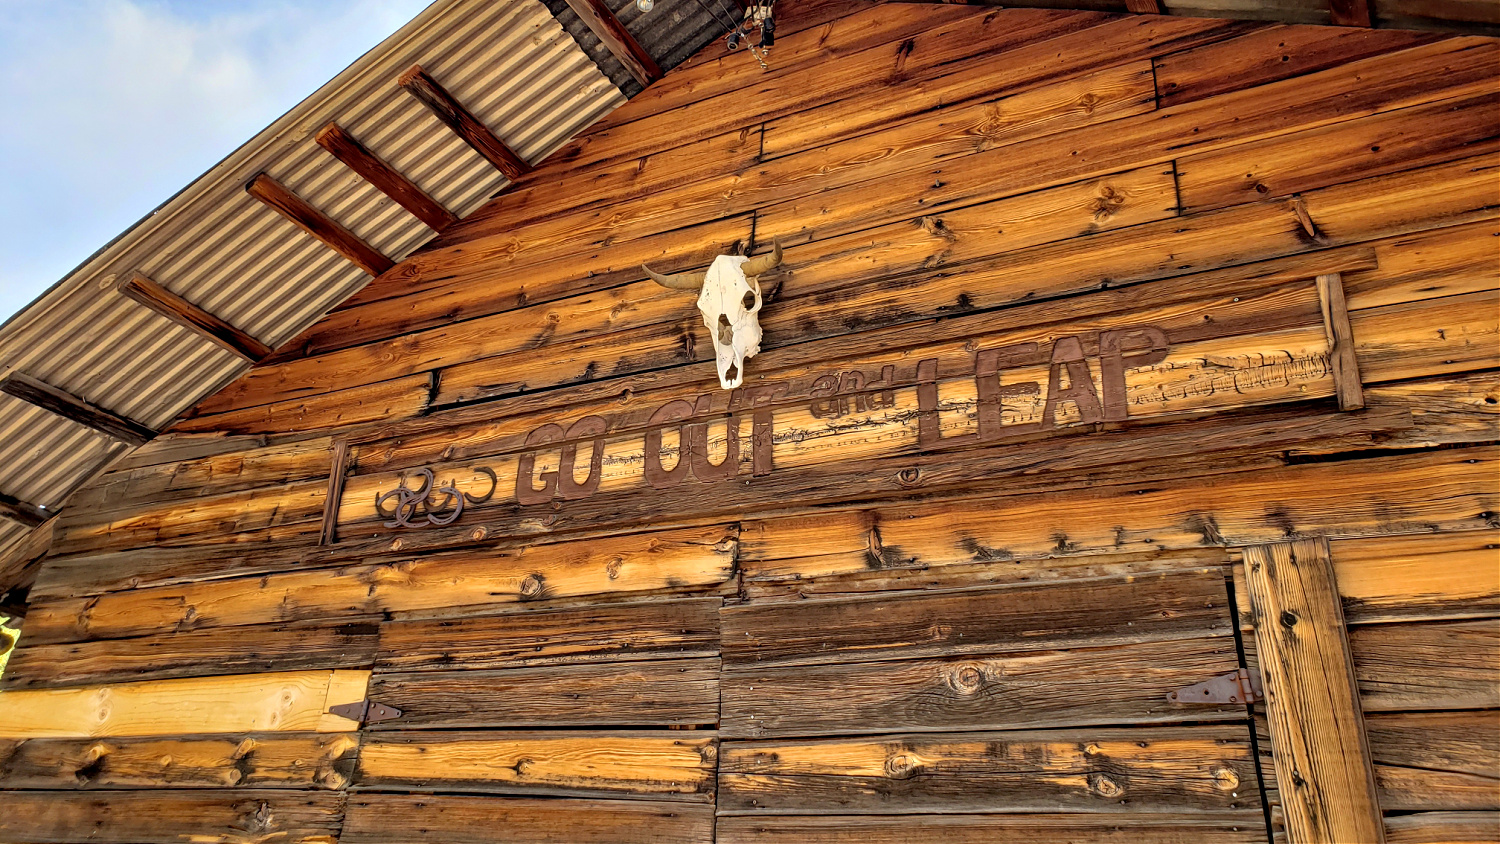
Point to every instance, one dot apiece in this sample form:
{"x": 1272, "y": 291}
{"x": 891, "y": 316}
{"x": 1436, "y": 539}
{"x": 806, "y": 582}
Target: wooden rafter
{"x": 185, "y": 313}
{"x": 1351, "y": 12}
{"x": 75, "y": 409}
{"x": 421, "y": 85}
{"x": 318, "y": 224}
{"x": 386, "y": 179}
{"x": 613, "y": 35}
{"x": 24, "y": 512}
{"x": 1145, "y": 7}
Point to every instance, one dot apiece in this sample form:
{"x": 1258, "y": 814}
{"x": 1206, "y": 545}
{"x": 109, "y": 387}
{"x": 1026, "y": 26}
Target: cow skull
{"x": 729, "y": 298}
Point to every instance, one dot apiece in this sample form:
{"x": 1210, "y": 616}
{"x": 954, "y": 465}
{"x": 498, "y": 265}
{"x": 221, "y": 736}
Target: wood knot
{"x": 1105, "y": 786}
{"x": 479, "y": 533}
{"x": 532, "y": 586}
{"x": 1107, "y": 203}
{"x": 397, "y": 545}
{"x": 909, "y": 477}
{"x": 966, "y": 679}
{"x": 902, "y": 766}
{"x": 1088, "y": 102}
{"x": 1225, "y": 779}
{"x": 612, "y": 568}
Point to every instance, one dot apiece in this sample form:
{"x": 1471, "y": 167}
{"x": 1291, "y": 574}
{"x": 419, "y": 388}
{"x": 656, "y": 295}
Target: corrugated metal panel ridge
{"x": 510, "y": 62}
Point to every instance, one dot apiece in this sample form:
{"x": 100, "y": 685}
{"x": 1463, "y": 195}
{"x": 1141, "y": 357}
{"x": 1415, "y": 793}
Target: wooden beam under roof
{"x": 1145, "y": 7}
{"x": 24, "y": 512}
{"x": 421, "y": 85}
{"x": 386, "y": 179}
{"x": 613, "y": 34}
{"x": 185, "y": 313}
{"x": 1351, "y": 12}
{"x": 318, "y": 224}
{"x": 75, "y": 409}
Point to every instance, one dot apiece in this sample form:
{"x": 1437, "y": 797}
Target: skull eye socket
{"x": 749, "y": 301}
{"x": 726, "y": 331}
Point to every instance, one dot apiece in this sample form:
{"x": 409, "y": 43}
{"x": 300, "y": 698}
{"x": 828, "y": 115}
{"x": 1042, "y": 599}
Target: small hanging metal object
{"x": 644, "y": 5}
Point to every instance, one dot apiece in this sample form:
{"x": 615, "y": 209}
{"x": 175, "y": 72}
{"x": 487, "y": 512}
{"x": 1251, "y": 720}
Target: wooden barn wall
{"x": 1048, "y": 359}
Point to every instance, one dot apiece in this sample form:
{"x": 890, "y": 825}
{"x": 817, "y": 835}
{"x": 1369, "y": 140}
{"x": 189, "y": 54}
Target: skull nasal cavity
{"x": 726, "y": 331}
{"x": 749, "y": 301}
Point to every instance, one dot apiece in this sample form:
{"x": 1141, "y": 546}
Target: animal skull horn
{"x": 729, "y": 299}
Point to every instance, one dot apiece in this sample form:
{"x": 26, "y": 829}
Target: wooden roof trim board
{"x": 420, "y": 84}
{"x": 387, "y": 179}
{"x": 71, "y": 407}
{"x": 152, "y": 295}
{"x": 321, "y": 226}
{"x": 613, "y": 34}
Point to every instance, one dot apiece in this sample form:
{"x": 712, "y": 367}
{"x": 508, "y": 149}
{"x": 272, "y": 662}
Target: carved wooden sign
{"x": 991, "y": 380}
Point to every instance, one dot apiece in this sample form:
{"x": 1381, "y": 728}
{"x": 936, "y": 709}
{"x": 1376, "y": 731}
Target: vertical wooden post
{"x": 1346, "y": 381}
{"x": 1318, "y": 743}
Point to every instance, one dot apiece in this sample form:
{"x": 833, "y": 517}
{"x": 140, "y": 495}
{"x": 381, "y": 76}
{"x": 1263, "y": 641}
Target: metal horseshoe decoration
{"x": 402, "y": 506}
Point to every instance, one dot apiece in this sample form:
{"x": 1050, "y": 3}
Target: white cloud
{"x": 108, "y": 107}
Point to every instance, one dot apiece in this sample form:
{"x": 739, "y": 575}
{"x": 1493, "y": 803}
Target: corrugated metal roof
{"x": 511, "y": 63}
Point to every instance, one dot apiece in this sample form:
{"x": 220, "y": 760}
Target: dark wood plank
{"x": 1317, "y": 732}
{"x": 154, "y": 817}
{"x": 191, "y": 654}
{"x": 387, "y": 179}
{"x": 1091, "y": 828}
{"x": 28, "y": 514}
{"x": 1427, "y": 666}
{"x": 443, "y": 819}
{"x": 1155, "y": 769}
{"x": 1436, "y": 760}
{"x": 257, "y": 760}
{"x": 970, "y": 621}
{"x": 674, "y": 692}
{"x": 179, "y": 310}
{"x": 1341, "y": 344}
{"x": 1351, "y": 12}
{"x": 642, "y": 765}
{"x": 75, "y": 409}
{"x": 1145, "y": 7}
{"x": 600, "y": 633}
{"x": 613, "y": 35}
{"x": 1124, "y": 684}
{"x": 452, "y": 113}
{"x": 322, "y": 227}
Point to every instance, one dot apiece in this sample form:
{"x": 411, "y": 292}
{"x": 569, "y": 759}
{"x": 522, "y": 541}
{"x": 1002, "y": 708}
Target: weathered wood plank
{"x": 192, "y": 654}
{"x": 1341, "y": 345}
{"x": 259, "y": 760}
{"x": 672, "y": 692}
{"x": 429, "y": 92}
{"x": 1318, "y": 741}
{"x": 1101, "y": 828}
{"x": 157, "y": 817}
{"x": 75, "y": 409}
{"x": 1436, "y": 760}
{"x": 381, "y": 401}
{"x": 977, "y": 621}
{"x": 1123, "y": 684}
{"x": 1426, "y": 265}
{"x": 1270, "y": 54}
{"x": 1422, "y": 576}
{"x": 639, "y": 765}
{"x": 1427, "y": 666}
{"x": 1435, "y": 337}
{"x": 163, "y": 301}
{"x": 282, "y": 702}
{"x": 386, "y": 179}
{"x": 1443, "y": 828}
{"x": 623, "y": 564}
{"x": 443, "y": 819}
{"x": 1354, "y": 149}
{"x": 1162, "y": 769}
{"x": 1453, "y": 410}
{"x": 600, "y": 633}
{"x": 320, "y": 226}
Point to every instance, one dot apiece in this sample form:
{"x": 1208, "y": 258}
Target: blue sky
{"x": 109, "y": 107}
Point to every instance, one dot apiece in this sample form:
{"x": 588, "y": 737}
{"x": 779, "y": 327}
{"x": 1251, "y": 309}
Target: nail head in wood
{"x": 72, "y": 408}
{"x": 185, "y": 313}
{"x": 386, "y": 179}
{"x": 613, "y": 35}
{"x": 451, "y": 112}
{"x": 319, "y": 225}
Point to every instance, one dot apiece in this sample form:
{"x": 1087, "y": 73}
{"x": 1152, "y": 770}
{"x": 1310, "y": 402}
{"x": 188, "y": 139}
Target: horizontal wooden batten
{"x": 289, "y": 701}
{"x": 258, "y": 760}
{"x": 601, "y": 633}
{"x": 387, "y": 179}
{"x": 652, "y": 766}
{"x": 656, "y": 693}
{"x": 1120, "y": 684}
{"x": 452, "y": 113}
{"x": 175, "y": 654}
{"x": 323, "y": 228}
{"x": 694, "y": 557}
{"x": 172, "y": 306}
{"x": 1245, "y": 827}
{"x": 1161, "y": 769}
{"x": 54, "y": 400}
{"x": 613, "y": 34}
{"x": 156, "y": 816}
{"x": 452, "y": 819}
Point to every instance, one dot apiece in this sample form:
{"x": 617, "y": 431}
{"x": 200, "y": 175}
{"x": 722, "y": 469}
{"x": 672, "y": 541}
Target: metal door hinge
{"x": 1242, "y": 686}
{"x": 365, "y": 712}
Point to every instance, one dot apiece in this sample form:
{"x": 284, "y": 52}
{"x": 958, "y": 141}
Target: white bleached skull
{"x": 729, "y": 298}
